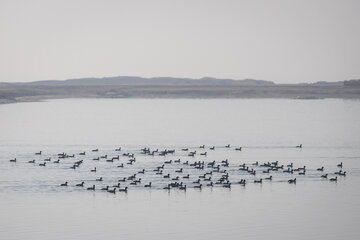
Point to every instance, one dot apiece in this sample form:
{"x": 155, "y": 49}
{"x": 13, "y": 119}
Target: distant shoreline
{"x": 174, "y": 88}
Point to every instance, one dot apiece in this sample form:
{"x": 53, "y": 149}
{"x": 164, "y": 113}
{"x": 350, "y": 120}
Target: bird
{"x": 80, "y": 184}
{"x": 91, "y": 188}
{"x": 64, "y": 184}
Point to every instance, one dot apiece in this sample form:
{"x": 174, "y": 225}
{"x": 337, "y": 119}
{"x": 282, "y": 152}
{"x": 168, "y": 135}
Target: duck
{"x": 210, "y": 184}
{"x": 292, "y": 180}
{"x": 95, "y": 150}
{"x": 182, "y": 187}
{"x": 227, "y": 185}
{"x": 333, "y": 179}
{"x": 324, "y": 176}
{"x": 122, "y": 180}
{"x": 123, "y": 189}
{"x": 121, "y": 165}
{"x": 82, "y": 153}
{"x": 320, "y": 169}
{"x": 57, "y": 161}
{"x": 167, "y": 187}
{"x": 238, "y": 149}
{"x": 179, "y": 171}
{"x": 32, "y": 161}
{"x": 91, "y": 188}
{"x": 148, "y": 185}
{"x": 142, "y": 171}
{"x": 187, "y": 176}
{"x": 42, "y": 164}
{"x": 80, "y": 184}
{"x": 99, "y": 179}
{"x": 258, "y": 181}
{"x": 340, "y": 165}
{"x": 299, "y": 146}
{"x": 64, "y": 184}
{"x": 342, "y": 173}
{"x": 198, "y": 186}
{"x": 38, "y": 153}
{"x": 116, "y": 186}
{"x": 112, "y": 191}
{"x": 93, "y": 170}
{"x": 212, "y": 148}
{"x": 13, "y": 160}
{"x": 167, "y": 176}
{"x": 269, "y": 178}
{"x": 227, "y": 146}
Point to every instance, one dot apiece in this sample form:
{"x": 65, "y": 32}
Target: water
{"x": 34, "y": 206}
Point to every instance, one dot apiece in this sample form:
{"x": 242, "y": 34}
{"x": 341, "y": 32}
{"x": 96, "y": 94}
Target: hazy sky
{"x": 282, "y": 41}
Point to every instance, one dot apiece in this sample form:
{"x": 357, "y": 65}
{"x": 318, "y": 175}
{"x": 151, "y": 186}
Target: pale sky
{"x": 285, "y": 41}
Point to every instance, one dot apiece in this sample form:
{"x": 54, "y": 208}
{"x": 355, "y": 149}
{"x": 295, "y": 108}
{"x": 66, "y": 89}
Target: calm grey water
{"x": 34, "y": 206}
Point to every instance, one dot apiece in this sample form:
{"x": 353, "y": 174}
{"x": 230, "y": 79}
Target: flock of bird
{"x": 175, "y": 173}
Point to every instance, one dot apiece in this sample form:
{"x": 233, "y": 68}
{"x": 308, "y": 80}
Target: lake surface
{"x": 34, "y": 206}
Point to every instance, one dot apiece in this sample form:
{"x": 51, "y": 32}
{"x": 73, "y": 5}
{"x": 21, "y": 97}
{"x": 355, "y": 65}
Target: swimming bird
{"x": 99, "y": 179}
{"x": 91, "y": 188}
{"x": 38, "y": 153}
{"x": 238, "y": 149}
{"x": 93, "y": 170}
{"x": 324, "y": 176}
{"x": 80, "y": 184}
{"x": 32, "y": 161}
{"x": 299, "y": 146}
{"x": 13, "y": 160}
{"x": 64, "y": 184}
{"x": 123, "y": 189}
{"x": 198, "y": 186}
{"x": 42, "y": 164}
{"x": 148, "y": 185}
{"x": 112, "y": 191}
{"x": 269, "y": 178}
{"x": 320, "y": 169}
{"x": 258, "y": 181}
{"x": 333, "y": 179}
{"x": 292, "y": 181}
{"x": 340, "y": 165}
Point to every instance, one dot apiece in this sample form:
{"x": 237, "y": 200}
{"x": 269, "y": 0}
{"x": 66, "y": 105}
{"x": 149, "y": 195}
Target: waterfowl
{"x": 95, "y": 150}
{"x": 182, "y": 187}
{"x": 82, "y": 153}
{"x": 57, "y": 161}
{"x": 203, "y": 154}
{"x": 121, "y": 165}
{"x": 258, "y": 181}
{"x": 184, "y": 149}
{"x": 148, "y": 185}
{"x": 99, "y": 179}
{"x": 117, "y": 185}
{"x": 42, "y": 164}
{"x": 142, "y": 171}
{"x": 80, "y": 184}
{"x": 340, "y": 165}
{"x": 210, "y": 184}
{"x": 187, "y": 176}
{"x": 227, "y": 185}
{"x": 167, "y": 176}
{"x": 179, "y": 171}
{"x": 198, "y": 186}
{"x": 112, "y": 191}
{"x": 13, "y": 160}
{"x": 202, "y": 146}
{"x": 96, "y": 159}
{"x": 118, "y": 149}
{"x": 320, "y": 169}
{"x": 64, "y": 184}
{"x": 333, "y": 179}
{"x": 292, "y": 180}
{"x": 47, "y": 159}
{"x": 167, "y": 187}
{"x": 122, "y": 180}
{"x": 123, "y": 189}
{"x": 342, "y": 174}
{"x": 212, "y": 148}
{"x": 269, "y": 178}
{"x": 32, "y": 161}
{"x": 299, "y": 146}
{"x": 198, "y": 181}
{"x": 38, "y": 153}
{"x": 324, "y": 176}
{"x": 93, "y": 170}
{"x": 91, "y": 188}
{"x": 175, "y": 179}
{"x": 227, "y": 146}
{"x": 238, "y": 149}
